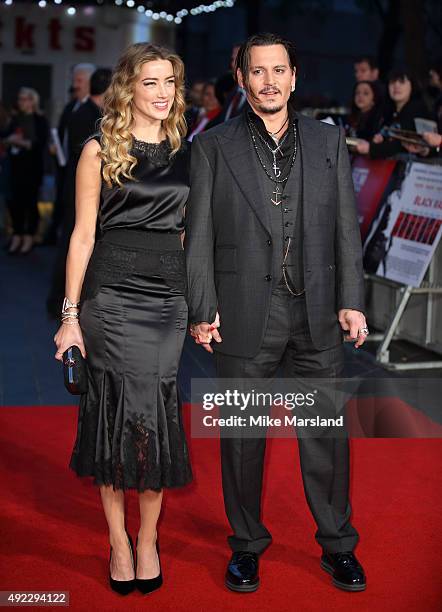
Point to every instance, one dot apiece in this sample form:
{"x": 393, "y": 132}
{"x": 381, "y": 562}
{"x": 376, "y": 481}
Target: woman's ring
{"x": 364, "y": 330}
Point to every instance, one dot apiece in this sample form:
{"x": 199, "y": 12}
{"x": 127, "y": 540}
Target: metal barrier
{"x": 405, "y": 312}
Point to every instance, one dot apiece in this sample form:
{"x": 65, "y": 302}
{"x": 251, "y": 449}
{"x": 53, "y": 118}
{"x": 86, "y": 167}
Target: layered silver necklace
{"x": 276, "y": 169}
{"x": 278, "y": 189}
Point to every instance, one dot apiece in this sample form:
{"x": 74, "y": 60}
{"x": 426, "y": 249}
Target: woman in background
{"x": 405, "y": 104}
{"x": 26, "y": 139}
{"x": 366, "y": 110}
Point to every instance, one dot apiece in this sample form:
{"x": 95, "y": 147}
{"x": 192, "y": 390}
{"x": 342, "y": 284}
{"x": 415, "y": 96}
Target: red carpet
{"x": 54, "y": 534}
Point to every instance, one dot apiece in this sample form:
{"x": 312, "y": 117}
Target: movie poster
{"x": 414, "y": 225}
{"x": 370, "y": 178}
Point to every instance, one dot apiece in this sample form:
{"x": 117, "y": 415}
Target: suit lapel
{"x": 313, "y": 157}
{"x": 238, "y": 152}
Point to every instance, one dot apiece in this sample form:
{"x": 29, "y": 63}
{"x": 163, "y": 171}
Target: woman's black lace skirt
{"x": 134, "y": 319}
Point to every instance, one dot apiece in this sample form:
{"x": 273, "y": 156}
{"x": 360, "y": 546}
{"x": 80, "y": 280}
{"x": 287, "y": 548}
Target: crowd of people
{"x": 377, "y": 108}
{"x": 27, "y": 149}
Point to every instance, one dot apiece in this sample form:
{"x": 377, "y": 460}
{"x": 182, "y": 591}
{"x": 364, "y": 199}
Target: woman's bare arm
{"x": 87, "y": 199}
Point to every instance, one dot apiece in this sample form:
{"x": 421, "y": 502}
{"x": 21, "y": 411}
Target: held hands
{"x": 354, "y": 322}
{"x": 69, "y": 334}
{"x": 203, "y": 333}
{"x": 350, "y": 320}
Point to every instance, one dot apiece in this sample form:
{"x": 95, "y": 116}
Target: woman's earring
{"x": 293, "y": 87}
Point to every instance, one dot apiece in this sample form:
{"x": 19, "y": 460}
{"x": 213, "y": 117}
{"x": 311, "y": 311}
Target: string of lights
{"x": 141, "y": 7}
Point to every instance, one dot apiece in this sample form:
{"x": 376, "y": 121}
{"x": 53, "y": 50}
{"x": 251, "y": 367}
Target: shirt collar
{"x": 260, "y": 125}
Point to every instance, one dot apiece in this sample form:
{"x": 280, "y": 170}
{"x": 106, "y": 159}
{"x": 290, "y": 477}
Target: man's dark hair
{"x": 265, "y": 39}
{"x": 100, "y": 81}
{"x": 369, "y": 59}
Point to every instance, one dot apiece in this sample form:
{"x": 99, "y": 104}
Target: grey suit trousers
{"x": 324, "y": 460}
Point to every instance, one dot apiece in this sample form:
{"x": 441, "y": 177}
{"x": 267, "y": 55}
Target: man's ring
{"x": 364, "y": 330}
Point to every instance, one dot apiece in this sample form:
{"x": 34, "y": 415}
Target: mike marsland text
{"x": 267, "y": 421}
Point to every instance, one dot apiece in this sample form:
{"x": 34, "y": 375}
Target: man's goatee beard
{"x": 271, "y": 110}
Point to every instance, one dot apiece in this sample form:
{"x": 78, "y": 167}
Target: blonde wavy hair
{"x": 118, "y": 118}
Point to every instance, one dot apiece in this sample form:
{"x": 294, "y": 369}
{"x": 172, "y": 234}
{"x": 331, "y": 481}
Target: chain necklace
{"x": 287, "y": 280}
{"x": 275, "y": 167}
{"x": 273, "y": 134}
{"x": 277, "y": 172}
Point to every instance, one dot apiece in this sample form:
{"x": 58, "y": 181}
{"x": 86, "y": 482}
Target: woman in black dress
{"x": 125, "y": 299}
{"x": 26, "y": 138}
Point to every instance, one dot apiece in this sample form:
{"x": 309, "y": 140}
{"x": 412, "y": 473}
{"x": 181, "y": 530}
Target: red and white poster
{"x": 370, "y": 179}
{"x": 414, "y": 225}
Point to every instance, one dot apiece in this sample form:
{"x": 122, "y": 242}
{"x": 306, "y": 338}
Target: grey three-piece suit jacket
{"x": 228, "y": 240}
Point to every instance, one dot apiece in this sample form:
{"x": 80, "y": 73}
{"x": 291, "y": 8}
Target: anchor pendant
{"x": 276, "y": 193}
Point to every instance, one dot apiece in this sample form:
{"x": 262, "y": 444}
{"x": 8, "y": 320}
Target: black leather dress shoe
{"x": 242, "y": 572}
{"x": 346, "y": 570}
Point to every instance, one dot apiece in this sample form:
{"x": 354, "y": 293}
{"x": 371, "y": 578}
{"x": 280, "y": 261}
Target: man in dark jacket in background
{"x": 80, "y": 92}
{"x": 82, "y": 124}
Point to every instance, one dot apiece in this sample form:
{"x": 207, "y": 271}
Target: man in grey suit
{"x": 275, "y": 277}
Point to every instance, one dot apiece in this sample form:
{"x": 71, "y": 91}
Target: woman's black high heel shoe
{"x": 148, "y": 585}
{"x": 123, "y": 587}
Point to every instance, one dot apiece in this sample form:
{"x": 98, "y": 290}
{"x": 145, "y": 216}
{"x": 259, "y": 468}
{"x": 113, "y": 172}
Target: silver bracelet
{"x": 70, "y": 321}
{"x": 70, "y": 315}
{"x": 68, "y": 304}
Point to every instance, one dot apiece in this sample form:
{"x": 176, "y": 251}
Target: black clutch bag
{"x": 74, "y": 371}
